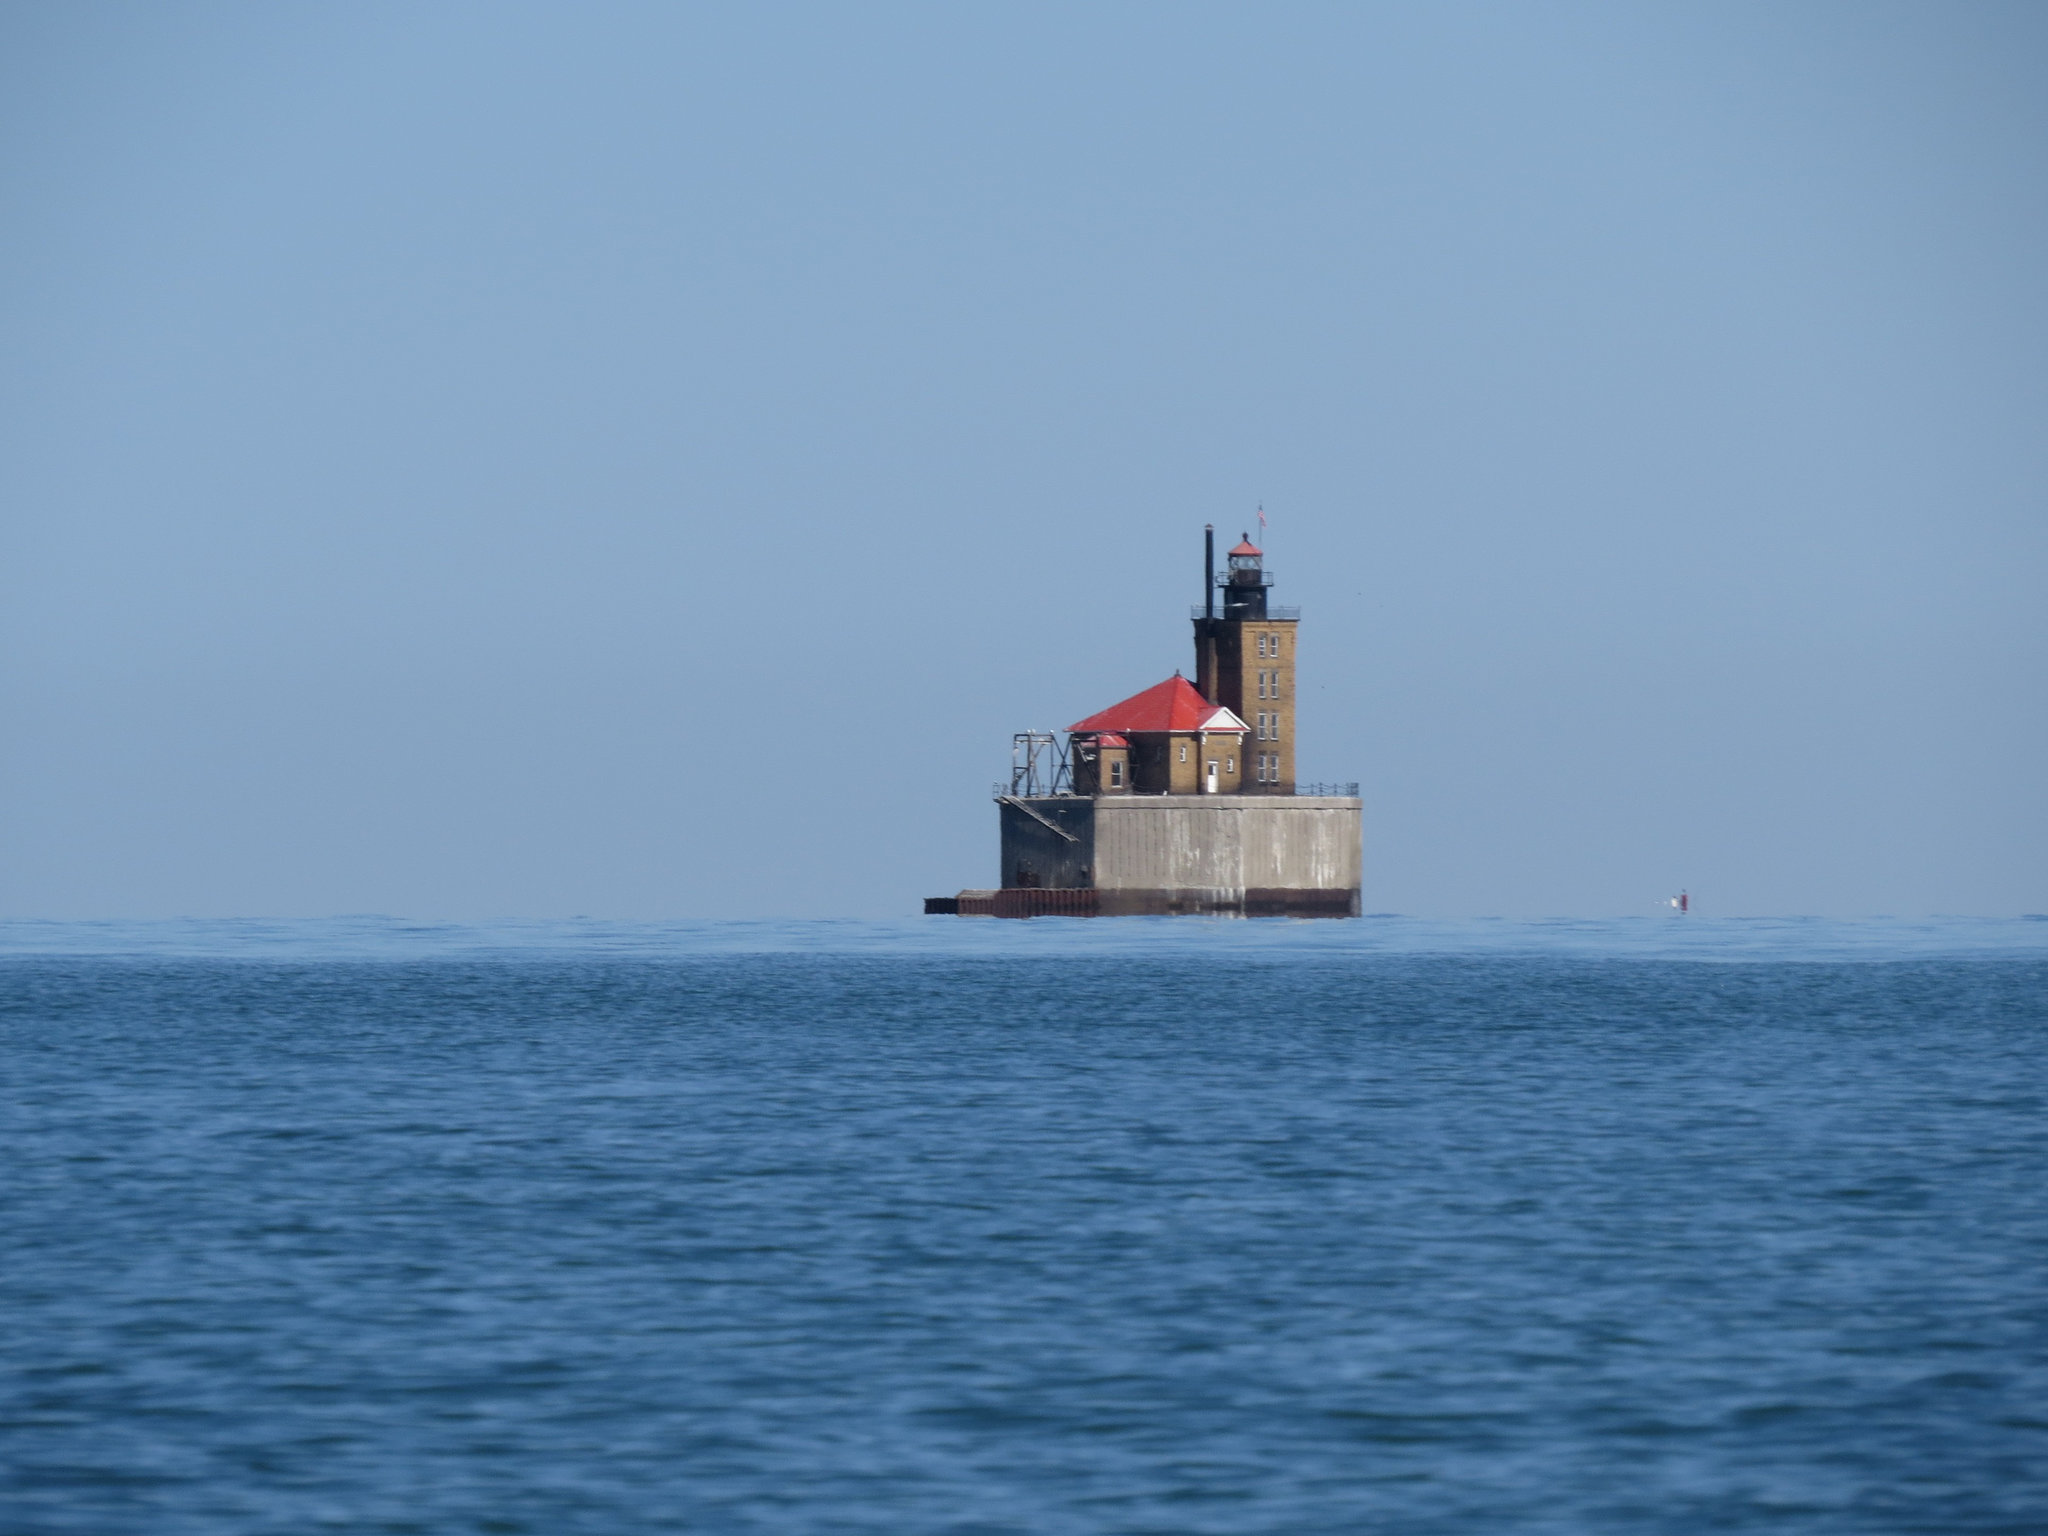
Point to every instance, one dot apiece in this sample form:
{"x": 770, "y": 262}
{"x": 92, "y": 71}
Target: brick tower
{"x": 1244, "y": 661}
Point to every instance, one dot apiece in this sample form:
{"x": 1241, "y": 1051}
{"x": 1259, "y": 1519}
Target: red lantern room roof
{"x": 1247, "y": 548}
{"x": 1173, "y": 705}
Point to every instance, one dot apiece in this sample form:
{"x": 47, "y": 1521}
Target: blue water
{"x": 963, "y": 1226}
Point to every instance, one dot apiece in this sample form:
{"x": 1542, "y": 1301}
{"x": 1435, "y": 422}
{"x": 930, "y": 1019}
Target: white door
{"x": 1212, "y": 775}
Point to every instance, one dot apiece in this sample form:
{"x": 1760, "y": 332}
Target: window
{"x": 1183, "y": 751}
{"x": 1230, "y": 765}
{"x": 1116, "y": 773}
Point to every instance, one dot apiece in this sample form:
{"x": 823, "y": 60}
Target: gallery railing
{"x": 1347, "y": 788}
{"x": 1273, "y": 611}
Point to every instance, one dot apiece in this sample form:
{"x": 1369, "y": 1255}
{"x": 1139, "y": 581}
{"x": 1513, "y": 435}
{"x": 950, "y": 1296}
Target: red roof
{"x": 1173, "y": 705}
{"x": 1247, "y": 548}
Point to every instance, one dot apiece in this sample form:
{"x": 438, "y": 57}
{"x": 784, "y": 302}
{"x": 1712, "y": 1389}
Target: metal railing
{"x": 1273, "y": 611}
{"x": 1347, "y": 788}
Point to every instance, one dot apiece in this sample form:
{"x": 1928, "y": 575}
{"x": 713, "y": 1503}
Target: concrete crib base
{"x": 1117, "y": 855}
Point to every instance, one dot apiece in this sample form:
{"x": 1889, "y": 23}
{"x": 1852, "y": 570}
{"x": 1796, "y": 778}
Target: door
{"x": 1212, "y": 775}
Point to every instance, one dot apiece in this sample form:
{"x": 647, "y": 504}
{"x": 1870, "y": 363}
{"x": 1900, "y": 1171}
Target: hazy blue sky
{"x": 641, "y": 461}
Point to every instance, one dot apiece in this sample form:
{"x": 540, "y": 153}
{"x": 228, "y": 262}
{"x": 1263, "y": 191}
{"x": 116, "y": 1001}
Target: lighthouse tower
{"x": 1244, "y": 661}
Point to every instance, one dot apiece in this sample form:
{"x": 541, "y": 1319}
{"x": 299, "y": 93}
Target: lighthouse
{"x": 1182, "y": 798}
{"x": 1244, "y": 660}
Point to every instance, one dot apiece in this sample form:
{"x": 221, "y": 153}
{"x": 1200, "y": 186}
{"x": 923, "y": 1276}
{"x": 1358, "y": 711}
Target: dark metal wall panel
{"x": 1037, "y": 857}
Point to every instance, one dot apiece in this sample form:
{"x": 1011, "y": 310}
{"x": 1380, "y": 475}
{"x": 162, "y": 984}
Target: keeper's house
{"x": 1181, "y": 798}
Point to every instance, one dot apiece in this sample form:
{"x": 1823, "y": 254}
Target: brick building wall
{"x": 1247, "y": 666}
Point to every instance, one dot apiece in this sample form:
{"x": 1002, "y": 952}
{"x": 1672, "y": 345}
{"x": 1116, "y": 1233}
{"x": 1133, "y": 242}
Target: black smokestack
{"x": 1209, "y": 570}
